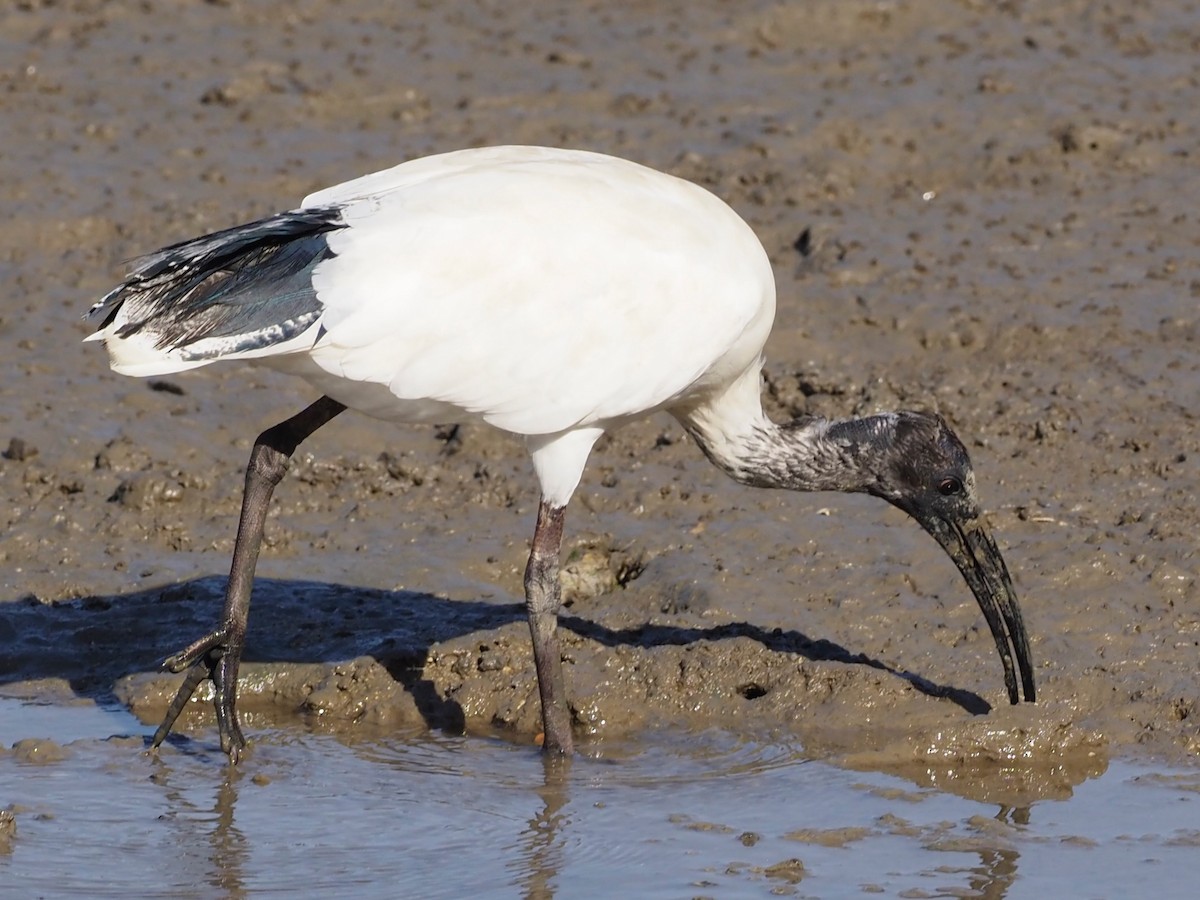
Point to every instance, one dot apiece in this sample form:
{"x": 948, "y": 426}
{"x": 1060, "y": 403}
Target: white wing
{"x": 536, "y": 289}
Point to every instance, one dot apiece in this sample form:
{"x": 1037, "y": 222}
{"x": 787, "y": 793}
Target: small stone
{"x": 39, "y": 750}
{"x": 19, "y": 451}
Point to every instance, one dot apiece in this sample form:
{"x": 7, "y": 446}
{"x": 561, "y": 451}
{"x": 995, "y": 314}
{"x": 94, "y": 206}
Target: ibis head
{"x": 920, "y": 466}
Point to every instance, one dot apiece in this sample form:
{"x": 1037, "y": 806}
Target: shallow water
{"x": 672, "y": 815}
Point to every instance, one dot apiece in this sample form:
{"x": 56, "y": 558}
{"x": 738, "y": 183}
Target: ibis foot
{"x": 213, "y": 657}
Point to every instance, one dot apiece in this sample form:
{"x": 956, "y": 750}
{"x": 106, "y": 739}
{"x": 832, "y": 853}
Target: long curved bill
{"x": 974, "y": 551}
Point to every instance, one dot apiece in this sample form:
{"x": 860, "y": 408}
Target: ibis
{"x": 553, "y": 294}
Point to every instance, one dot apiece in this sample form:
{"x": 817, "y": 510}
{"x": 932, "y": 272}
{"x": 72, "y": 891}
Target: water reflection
{"x": 1013, "y": 815}
{"x": 226, "y": 840}
{"x": 1013, "y": 785}
{"x": 996, "y": 874}
{"x": 543, "y": 854}
{"x": 223, "y": 864}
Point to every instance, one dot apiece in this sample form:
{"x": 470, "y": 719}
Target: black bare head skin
{"x": 926, "y": 470}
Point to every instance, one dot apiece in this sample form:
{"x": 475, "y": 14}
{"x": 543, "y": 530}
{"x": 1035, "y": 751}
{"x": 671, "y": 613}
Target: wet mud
{"x": 985, "y": 210}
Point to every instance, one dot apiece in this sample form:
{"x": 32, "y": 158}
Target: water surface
{"x": 671, "y": 815}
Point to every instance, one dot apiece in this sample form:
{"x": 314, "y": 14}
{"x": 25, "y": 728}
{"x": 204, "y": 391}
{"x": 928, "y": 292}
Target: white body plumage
{"x": 551, "y": 293}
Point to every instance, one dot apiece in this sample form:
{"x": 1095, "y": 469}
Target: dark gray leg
{"x": 218, "y": 654}
{"x": 542, "y": 599}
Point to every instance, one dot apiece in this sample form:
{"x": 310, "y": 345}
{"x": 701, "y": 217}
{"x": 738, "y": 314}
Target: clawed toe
{"x": 215, "y": 642}
{"x": 210, "y": 658}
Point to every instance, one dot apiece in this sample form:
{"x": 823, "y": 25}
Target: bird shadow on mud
{"x": 92, "y": 642}
{"x": 775, "y": 639}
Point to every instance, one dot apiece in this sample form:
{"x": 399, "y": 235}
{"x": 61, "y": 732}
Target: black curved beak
{"x": 971, "y": 545}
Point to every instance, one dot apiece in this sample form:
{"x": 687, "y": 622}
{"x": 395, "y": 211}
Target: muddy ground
{"x": 983, "y": 209}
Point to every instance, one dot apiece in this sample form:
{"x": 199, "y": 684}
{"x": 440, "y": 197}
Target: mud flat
{"x": 986, "y": 210}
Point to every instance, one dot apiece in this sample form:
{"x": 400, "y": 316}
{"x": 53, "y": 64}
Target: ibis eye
{"x": 949, "y": 485}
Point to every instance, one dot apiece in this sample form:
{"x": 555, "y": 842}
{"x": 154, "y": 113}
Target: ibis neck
{"x": 807, "y": 454}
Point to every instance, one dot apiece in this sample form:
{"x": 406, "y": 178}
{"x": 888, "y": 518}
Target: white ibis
{"x": 554, "y": 294}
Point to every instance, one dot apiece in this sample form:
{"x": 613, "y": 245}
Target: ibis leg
{"x": 218, "y": 654}
{"x": 542, "y": 598}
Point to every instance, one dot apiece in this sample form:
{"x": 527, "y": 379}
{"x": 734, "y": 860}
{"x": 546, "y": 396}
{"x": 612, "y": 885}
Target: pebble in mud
{"x": 19, "y": 450}
{"x": 147, "y": 490}
{"x": 39, "y": 751}
{"x": 8, "y": 829}
{"x": 595, "y": 566}
{"x": 789, "y": 871}
{"x": 829, "y": 837}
